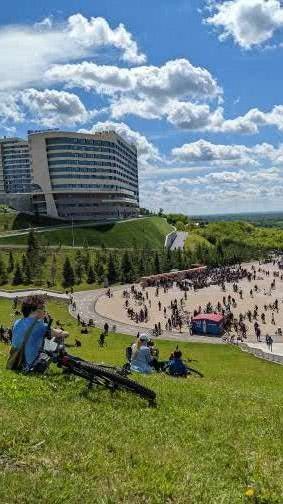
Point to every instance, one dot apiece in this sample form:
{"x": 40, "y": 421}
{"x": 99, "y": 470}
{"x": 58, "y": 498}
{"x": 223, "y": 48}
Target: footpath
{"x": 24, "y": 293}
{"x": 261, "y": 350}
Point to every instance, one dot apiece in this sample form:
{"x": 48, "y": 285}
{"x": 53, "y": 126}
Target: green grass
{"x": 45, "y": 276}
{"x": 150, "y": 231}
{"x": 205, "y": 443}
{"x": 262, "y": 237}
{"x": 194, "y": 240}
{"x": 11, "y": 221}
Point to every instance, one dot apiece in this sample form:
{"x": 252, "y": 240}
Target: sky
{"x": 196, "y": 84}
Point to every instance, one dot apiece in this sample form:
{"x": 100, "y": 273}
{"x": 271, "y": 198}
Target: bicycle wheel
{"x": 111, "y": 379}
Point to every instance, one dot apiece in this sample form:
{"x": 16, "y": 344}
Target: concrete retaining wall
{"x": 258, "y": 352}
{"x": 170, "y": 239}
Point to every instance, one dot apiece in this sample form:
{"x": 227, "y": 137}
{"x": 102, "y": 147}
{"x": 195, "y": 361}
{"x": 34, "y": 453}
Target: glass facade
{"x": 15, "y": 165}
{"x": 88, "y": 176}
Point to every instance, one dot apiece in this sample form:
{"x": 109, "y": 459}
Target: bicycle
{"x": 110, "y": 377}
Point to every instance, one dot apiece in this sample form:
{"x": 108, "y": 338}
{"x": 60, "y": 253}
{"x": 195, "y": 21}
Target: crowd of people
{"x": 244, "y": 317}
{"x": 247, "y": 297}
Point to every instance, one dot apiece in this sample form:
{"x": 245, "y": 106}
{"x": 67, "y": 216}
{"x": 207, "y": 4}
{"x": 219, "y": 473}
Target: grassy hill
{"x": 150, "y": 231}
{"x": 194, "y": 240}
{"x": 243, "y": 232}
{"x": 11, "y": 221}
{"x": 207, "y": 442}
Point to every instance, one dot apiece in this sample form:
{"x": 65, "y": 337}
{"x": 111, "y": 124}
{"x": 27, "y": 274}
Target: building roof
{"x": 209, "y": 317}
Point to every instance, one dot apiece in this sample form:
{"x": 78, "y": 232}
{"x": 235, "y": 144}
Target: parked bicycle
{"x": 110, "y": 377}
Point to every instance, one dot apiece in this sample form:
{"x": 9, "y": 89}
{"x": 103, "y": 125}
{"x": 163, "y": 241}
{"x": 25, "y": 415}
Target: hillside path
{"x": 23, "y": 293}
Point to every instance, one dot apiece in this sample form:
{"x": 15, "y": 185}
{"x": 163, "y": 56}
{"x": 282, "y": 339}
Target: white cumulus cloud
{"x": 49, "y": 107}
{"x": 53, "y": 108}
{"x": 176, "y": 78}
{"x": 27, "y": 51}
{"x": 249, "y": 22}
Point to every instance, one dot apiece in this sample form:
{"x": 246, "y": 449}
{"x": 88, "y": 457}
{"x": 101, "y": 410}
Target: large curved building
{"x": 84, "y": 176}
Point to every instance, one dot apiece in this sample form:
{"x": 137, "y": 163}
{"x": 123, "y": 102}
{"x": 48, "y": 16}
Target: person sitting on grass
{"x": 101, "y": 340}
{"x": 29, "y": 333}
{"x": 176, "y": 366}
{"x": 141, "y": 358}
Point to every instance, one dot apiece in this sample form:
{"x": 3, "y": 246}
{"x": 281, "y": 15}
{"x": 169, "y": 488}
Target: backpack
{"x": 16, "y": 357}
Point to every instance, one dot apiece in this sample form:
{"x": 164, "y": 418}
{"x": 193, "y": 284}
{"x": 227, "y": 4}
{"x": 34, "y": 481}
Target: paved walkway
{"x": 24, "y": 293}
{"x": 260, "y": 350}
{"x": 179, "y": 241}
{"x": 277, "y": 348}
{"x": 86, "y": 306}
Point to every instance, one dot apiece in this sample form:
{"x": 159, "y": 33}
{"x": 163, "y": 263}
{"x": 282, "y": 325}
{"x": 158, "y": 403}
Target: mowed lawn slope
{"x": 12, "y": 220}
{"x": 207, "y": 441}
{"x": 194, "y": 240}
{"x": 149, "y": 232}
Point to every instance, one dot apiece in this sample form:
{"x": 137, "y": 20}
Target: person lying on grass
{"x": 30, "y": 332}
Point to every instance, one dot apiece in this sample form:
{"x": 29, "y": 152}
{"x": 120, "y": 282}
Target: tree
{"x": 26, "y": 270}
{"x": 180, "y": 226}
{"x": 167, "y": 261}
{"x": 112, "y": 270}
{"x": 18, "y": 276}
{"x": 99, "y": 267}
{"x": 3, "y": 272}
{"x": 156, "y": 263}
{"x": 219, "y": 251}
{"x": 27, "y": 274}
{"x": 53, "y": 269}
{"x": 86, "y": 260}
{"x": 179, "y": 259}
{"x": 91, "y": 276}
{"x": 33, "y": 254}
{"x": 141, "y": 266}
{"x": 11, "y": 263}
{"x": 79, "y": 266}
{"x": 127, "y": 274}
{"x": 68, "y": 273}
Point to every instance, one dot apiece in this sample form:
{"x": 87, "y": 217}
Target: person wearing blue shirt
{"x": 176, "y": 366}
{"x": 33, "y": 310}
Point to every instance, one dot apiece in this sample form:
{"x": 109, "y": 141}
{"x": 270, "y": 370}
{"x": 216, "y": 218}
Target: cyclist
{"x": 31, "y": 331}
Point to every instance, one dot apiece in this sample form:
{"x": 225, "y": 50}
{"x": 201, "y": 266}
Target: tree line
{"x": 113, "y": 266}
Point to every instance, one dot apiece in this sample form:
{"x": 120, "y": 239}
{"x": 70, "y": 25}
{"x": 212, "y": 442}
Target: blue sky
{"x": 197, "y": 85}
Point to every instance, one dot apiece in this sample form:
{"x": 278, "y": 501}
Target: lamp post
{"x": 73, "y": 236}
